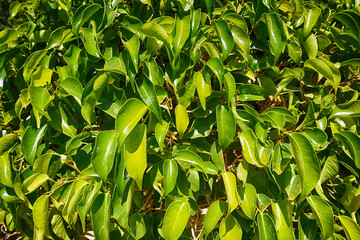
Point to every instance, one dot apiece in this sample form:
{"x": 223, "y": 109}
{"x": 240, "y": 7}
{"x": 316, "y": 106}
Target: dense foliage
{"x": 197, "y": 119}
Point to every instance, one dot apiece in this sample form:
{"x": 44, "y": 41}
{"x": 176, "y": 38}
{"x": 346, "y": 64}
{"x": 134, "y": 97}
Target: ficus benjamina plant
{"x": 180, "y": 119}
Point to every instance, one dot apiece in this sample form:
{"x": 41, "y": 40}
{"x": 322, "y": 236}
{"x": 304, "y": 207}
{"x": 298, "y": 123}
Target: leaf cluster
{"x": 190, "y": 119}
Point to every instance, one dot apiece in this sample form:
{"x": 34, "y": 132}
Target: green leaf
{"x": 276, "y": 34}
{"x": 311, "y": 46}
{"x": 176, "y": 217}
{"x": 91, "y": 95}
{"x": 60, "y": 36}
{"x": 181, "y": 119}
{"x": 307, "y": 163}
{"x": 133, "y": 46}
{"x": 229, "y": 180}
{"x": 41, "y": 77}
{"x": 89, "y": 39}
{"x": 351, "y": 228}
{"x": 84, "y": 206}
{"x": 57, "y": 225}
{"x": 326, "y": 69}
{"x": 350, "y": 142}
{"x": 266, "y": 227}
{"x": 248, "y": 201}
{"x": 31, "y": 183}
{"x": 41, "y": 215}
{"x": 104, "y": 152}
{"x": 280, "y": 159}
{"x": 307, "y": 227}
{"x": 353, "y": 62}
{"x": 180, "y": 33}
{"x": 213, "y": 215}
{"x": 62, "y": 120}
{"x": 250, "y": 150}
{"x": 82, "y": 15}
{"x": 226, "y": 125}
{"x": 154, "y": 30}
{"x": 217, "y": 156}
{"x": 31, "y": 63}
{"x": 251, "y": 92}
{"x": 311, "y": 17}
{"x": 225, "y": 37}
{"x": 209, "y": 4}
{"x": 350, "y": 109}
{"x": 137, "y": 225}
{"x": 230, "y": 86}
{"x": 189, "y": 157}
{"x": 351, "y": 21}
{"x": 73, "y": 87}
{"x": 203, "y": 88}
{"x": 351, "y": 198}
{"x": 317, "y": 138}
{"x": 31, "y": 141}
{"x": 8, "y": 141}
{"x": 8, "y": 38}
{"x": 282, "y": 212}
{"x": 161, "y": 130}
{"x": 217, "y": 68}
{"x": 6, "y": 176}
{"x": 128, "y": 116}
{"x": 324, "y": 215}
{"x": 74, "y": 195}
{"x": 135, "y": 153}
{"x": 170, "y": 170}
{"x": 40, "y": 99}
{"x": 241, "y": 39}
{"x": 100, "y": 216}
{"x": 154, "y": 73}
{"x": 230, "y": 228}
{"x": 294, "y": 48}
{"x": 330, "y": 168}
{"x": 148, "y": 95}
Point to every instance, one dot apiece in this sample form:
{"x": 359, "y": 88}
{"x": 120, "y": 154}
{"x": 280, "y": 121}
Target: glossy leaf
{"x": 181, "y": 119}
{"x": 41, "y": 215}
{"x": 135, "y": 154}
{"x": 324, "y": 215}
{"x": 91, "y": 95}
{"x": 189, "y": 157}
{"x": 229, "y": 180}
{"x": 311, "y": 16}
{"x": 175, "y": 219}
{"x": 213, "y": 215}
{"x": 181, "y": 32}
{"x": 104, "y": 153}
{"x": 326, "y": 69}
{"x": 30, "y": 142}
{"x": 352, "y": 229}
{"x": 170, "y": 170}
{"x": 226, "y": 125}
{"x": 241, "y": 39}
{"x": 266, "y": 227}
{"x": 230, "y": 228}
{"x": 250, "y": 151}
{"x": 276, "y": 34}
{"x": 307, "y": 162}
{"x": 161, "y": 130}
{"x": 225, "y": 37}
{"x": 148, "y": 95}
{"x": 203, "y": 88}
{"x": 350, "y": 142}
{"x": 100, "y": 215}
{"x": 128, "y": 116}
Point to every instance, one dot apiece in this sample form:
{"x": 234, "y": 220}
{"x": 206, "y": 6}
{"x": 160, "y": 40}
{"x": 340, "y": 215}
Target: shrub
{"x": 180, "y": 119}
